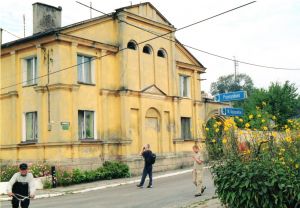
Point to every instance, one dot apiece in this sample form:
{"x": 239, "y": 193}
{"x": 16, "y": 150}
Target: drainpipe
{"x": 48, "y": 92}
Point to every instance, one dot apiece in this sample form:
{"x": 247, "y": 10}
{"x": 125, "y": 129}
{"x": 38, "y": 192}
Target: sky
{"x": 266, "y": 32}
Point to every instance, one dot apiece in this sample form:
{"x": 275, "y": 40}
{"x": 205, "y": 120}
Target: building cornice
{"x": 9, "y": 94}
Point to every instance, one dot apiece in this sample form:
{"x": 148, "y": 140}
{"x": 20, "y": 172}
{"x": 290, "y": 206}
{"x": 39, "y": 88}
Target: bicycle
{"x": 20, "y": 198}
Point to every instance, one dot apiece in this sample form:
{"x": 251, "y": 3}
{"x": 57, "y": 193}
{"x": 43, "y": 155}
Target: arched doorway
{"x": 152, "y": 129}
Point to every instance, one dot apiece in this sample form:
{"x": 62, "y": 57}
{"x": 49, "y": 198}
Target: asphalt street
{"x": 171, "y": 192}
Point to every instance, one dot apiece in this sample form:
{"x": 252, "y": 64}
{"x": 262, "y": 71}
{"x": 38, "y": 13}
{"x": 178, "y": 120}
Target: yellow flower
{"x": 258, "y": 116}
{"x": 274, "y": 117}
{"x": 286, "y": 126}
{"x": 290, "y": 121}
{"x": 247, "y": 125}
{"x": 274, "y": 134}
{"x": 264, "y": 128}
{"x": 217, "y": 130}
{"x": 241, "y": 120}
{"x": 263, "y": 120}
{"x": 287, "y": 130}
{"x": 215, "y": 125}
{"x": 226, "y": 128}
{"x": 288, "y": 139}
{"x": 219, "y": 123}
{"x": 296, "y": 166}
{"x": 224, "y": 141}
{"x": 214, "y": 141}
{"x": 250, "y": 116}
{"x": 207, "y": 129}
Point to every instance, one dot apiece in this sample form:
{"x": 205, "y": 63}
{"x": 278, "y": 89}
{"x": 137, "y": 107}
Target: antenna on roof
{"x": 91, "y": 10}
{"x": 24, "y": 24}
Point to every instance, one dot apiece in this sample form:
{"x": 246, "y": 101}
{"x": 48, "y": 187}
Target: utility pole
{"x": 24, "y": 24}
{"x": 236, "y": 65}
{"x": 91, "y": 10}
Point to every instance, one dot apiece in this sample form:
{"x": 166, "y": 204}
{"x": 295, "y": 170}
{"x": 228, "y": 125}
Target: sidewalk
{"x": 86, "y": 187}
{"x": 209, "y": 203}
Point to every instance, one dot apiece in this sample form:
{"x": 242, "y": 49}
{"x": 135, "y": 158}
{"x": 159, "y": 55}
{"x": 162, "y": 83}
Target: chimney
{"x": 45, "y": 17}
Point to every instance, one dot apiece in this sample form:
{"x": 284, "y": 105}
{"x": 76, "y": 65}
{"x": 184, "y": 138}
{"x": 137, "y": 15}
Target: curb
{"x": 41, "y": 196}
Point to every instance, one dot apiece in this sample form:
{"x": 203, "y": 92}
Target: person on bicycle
{"x": 21, "y": 187}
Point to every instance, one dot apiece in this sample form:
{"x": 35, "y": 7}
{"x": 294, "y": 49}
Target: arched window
{"x": 161, "y": 53}
{"x": 147, "y": 49}
{"x": 131, "y": 45}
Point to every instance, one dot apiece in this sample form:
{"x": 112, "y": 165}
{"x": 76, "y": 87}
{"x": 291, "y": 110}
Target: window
{"x": 185, "y": 127}
{"x": 147, "y": 49}
{"x": 161, "y": 53}
{"x": 31, "y": 126}
{"x": 184, "y": 86}
{"x": 86, "y": 124}
{"x": 30, "y": 71}
{"x": 84, "y": 69}
{"x": 131, "y": 45}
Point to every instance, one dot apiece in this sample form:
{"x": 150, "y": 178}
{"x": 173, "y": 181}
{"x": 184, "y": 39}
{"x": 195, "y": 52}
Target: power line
{"x": 158, "y": 36}
{"x": 202, "y": 51}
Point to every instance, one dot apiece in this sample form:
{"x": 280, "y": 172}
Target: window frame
{"x": 82, "y": 135}
{"x": 184, "y": 86}
{"x": 35, "y": 128}
{"x": 184, "y": 126}
{"x": 81, "y": 71}
{"x": 34, "y": 71}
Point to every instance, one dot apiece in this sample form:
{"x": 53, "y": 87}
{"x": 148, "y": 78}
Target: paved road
{"x": 171, "y": 192}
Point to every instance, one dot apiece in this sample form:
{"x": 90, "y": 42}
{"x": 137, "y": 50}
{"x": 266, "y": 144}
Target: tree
{"x": 281, "y": 100}
{"x": 229, "y": 84}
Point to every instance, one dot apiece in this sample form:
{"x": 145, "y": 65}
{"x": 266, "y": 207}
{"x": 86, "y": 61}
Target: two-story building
{"x": 99, "y": 90}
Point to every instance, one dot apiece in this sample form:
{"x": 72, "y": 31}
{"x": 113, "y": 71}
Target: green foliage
{"x": 109, "y": 170}
{"x": 229, "y": 84}
{"x": 282, "y": 101}
{"x": 38, "y": 170}
{"x": 7, "y": 171}
{"x": 213, "y": 140}
{"x": 47, "y": 184}
{"x": 257, "y": 184}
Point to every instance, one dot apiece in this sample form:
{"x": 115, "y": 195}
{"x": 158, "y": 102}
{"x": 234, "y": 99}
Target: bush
{"x": 7, "y": 172}
{"x": 39, "y": 169}
{"x": 109, "y": 170}
{"x": 257, "y": 184}
{"x": 47, "y": 184}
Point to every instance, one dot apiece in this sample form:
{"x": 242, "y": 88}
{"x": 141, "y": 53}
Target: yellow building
{"x": 99, "y": 90}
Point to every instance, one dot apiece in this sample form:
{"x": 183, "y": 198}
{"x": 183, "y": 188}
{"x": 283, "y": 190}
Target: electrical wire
{"x": 191, "y": 47}
{"x": 158, "y": 36}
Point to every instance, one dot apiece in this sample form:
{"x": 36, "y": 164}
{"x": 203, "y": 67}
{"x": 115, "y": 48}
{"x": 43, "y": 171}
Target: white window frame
{"x": 32, "y": 80}
{"x": 182, "y": 87}
{"x": 92, "y": 72}
{"x": 83, "y": 133}
{"x": 35, "y": 130}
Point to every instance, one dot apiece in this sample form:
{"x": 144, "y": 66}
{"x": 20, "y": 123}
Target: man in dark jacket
{"x": 21, "y": 186}
{"x": 147, "y": 155}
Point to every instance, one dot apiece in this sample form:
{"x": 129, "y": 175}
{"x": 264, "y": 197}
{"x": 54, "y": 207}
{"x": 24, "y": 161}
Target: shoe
{"x": 150, "y": 186}
{"x": 139, "y": 186}
{"x": 203, "y": 189}
{"x": 196, "y": 195}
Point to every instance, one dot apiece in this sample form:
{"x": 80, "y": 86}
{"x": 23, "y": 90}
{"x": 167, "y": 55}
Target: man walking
{"x": 21, "y": 187}
{"x": 147, "y": 155}
{"x": 198, "y": 171}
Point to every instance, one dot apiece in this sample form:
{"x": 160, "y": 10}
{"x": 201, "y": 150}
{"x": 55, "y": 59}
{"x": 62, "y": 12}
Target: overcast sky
{"x": 266, "y": 32}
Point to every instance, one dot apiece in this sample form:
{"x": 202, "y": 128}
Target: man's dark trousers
{"x": 147, "y": 171}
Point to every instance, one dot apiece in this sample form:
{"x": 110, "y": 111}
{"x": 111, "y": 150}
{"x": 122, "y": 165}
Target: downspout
{"x": 48, "y": 92}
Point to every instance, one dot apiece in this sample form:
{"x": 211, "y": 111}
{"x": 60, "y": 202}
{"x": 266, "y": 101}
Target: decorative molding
{"x": 58, "y": 86}
{"x": 9, "y": 94}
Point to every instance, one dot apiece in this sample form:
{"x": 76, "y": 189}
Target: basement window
{"x": 147, "y": 49}
{"x": 86, "y": 124}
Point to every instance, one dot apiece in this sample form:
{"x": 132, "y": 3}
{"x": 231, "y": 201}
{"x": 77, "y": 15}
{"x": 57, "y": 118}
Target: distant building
{"x": 100, "y": 102}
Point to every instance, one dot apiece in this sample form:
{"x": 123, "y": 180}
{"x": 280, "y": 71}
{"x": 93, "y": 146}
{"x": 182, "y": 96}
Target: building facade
{"x": 99, "y": 90}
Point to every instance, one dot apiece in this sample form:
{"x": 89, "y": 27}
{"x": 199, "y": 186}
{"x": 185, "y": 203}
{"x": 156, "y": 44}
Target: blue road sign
{"x": 231, "y": 111}
{"x": 231, "y": 96}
